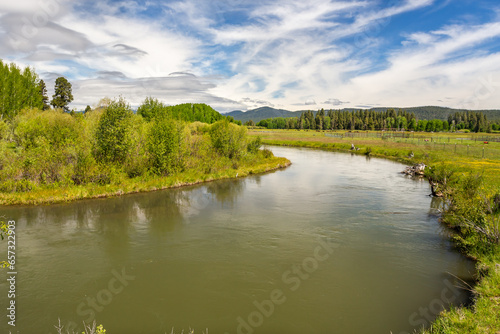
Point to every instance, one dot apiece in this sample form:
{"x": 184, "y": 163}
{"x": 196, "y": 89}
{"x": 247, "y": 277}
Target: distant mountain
{"x": 259, "y": 114}
{"x": 427, "y": 112}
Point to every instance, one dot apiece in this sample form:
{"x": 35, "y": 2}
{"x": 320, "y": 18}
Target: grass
{"x": 456, "y": 154}
{"x": 61, "y": 194}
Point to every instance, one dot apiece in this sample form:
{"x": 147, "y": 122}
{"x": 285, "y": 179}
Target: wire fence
{"x": 484, "y": 147}
{"x": 417, "y": 136}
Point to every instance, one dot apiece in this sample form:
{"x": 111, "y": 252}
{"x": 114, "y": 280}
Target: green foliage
{"x": 228, "y": 139}
{"x": 43, "y": 153}
{"x": 254, "y": 145}
{"x": 58, "y": 128}
{"x": 151, "y": 108}
{"x": 166, "y": 146}
{"x": 43, "y": 93}
{"x": 469, "y": 209}
{"x": 3, "y": 231}
{"x": 46, "y": 141}
{"x": 4, "y": 129}
{"x": 113, "y": 133}
{"x": 63, "y": 94}
{"x": 374, "y": 119}
{"x": 19, "y": 89}
{"x": 195, "y": 112}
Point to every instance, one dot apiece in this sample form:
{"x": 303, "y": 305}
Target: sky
{"x": 241, "y": 55}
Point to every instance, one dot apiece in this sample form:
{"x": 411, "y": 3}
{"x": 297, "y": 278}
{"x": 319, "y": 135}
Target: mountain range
{"x": 427, "y": 112}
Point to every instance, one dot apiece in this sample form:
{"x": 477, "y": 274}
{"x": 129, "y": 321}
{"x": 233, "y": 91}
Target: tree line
{"x": 21, "y": 89}
{"x": 390, "y": 119}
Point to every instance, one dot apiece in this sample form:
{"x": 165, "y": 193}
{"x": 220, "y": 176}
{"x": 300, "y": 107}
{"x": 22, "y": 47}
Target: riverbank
{"x": 471, "y": 185}
{"x": 64, "y": 194}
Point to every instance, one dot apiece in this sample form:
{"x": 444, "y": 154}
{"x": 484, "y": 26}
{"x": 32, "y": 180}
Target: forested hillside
{"x": 188, "y": 112}
{"x": 421, "y": 113}
{"x": 256, "y": 115}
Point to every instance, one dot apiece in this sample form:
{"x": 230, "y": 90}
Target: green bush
{"x": 137, "y": 161}
{"x": 112, "y": 138}
{"x": 4, "y": 129}
{"x": 58, "y": 128}
{"x": 151, "y": 108}
{"x": 228, "y": 139}
{"x": 254, "y": 145}
{"x": 166, "y": 146}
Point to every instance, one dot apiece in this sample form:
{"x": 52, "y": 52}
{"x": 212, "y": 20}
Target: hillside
{"x": 259, "y": 114}
{"x": 427, "y": 112}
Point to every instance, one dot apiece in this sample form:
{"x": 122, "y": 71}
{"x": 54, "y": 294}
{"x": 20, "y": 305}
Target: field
{"x": 460, "y": 150}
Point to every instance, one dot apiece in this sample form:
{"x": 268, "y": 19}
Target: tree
{"x": 87, "y": 109}
{"x": 63, "y": 95}
{"x": 43, "y": 93}
{"x": 151, "y": 108}
{"x": 112, "y": 136}
{"x": 166, "y": 146}
{"x": 19, "y": 89}
{"x": 228, "y": 139}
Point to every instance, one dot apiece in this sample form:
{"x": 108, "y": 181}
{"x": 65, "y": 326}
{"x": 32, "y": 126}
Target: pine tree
{"x": 43, "y": 92}
{"x": 63, "y": 95}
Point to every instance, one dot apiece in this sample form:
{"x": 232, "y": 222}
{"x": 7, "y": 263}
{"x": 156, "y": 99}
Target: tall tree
{"x": 18, "y": 89}
{"x": 62, "y": 96}
{"x": 43, "y": 93}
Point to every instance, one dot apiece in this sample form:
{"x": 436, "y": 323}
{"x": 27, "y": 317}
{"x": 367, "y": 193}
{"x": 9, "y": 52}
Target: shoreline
{"x": 49, "y": 196}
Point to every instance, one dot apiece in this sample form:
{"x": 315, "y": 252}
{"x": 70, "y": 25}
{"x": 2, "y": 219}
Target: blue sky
{"x": 236, "y": 54}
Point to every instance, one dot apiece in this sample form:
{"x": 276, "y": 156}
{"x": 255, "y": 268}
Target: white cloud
{"x": 239, "y": 55}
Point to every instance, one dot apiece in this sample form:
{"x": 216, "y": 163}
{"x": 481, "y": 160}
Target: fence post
{"x": 467, "y": 149}
{"x": 483, "y": 151}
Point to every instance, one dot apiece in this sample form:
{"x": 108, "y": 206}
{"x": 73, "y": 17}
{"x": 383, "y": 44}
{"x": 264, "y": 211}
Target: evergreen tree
{"x": 63, "y": 95}
{"x": 43, "y": 92}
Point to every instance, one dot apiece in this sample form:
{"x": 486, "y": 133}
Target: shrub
{"x": 267, "y": 153}
{"x": 4, "y": 129}
{"x": 136, "y": 163}
{"x": 113, "y": 133}
{"x": 228, "y": 139}
{"x": 254, "y": 145}
{"x": 57, "y": 127}
{"x": 166, "y": 146}
{"x": 151, "y": 108}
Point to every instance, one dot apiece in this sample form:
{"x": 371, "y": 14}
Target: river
{"x": 335, "y": 243}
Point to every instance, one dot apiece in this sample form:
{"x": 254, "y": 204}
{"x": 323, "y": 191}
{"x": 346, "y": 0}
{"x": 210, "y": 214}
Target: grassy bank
{"x": 470, "y": 185}
{"x": 68, "y": 193}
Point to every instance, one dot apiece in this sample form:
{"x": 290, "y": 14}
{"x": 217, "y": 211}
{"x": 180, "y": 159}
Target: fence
{"x": 485, "y": 147}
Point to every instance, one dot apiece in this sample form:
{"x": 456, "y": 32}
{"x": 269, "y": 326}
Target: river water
{"x": 333, "y": 244}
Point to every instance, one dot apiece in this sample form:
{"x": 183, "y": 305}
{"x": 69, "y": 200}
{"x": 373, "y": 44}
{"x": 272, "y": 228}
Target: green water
{"x": 333, "y": 244}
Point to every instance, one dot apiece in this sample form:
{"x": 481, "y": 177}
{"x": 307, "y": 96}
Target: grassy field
{"x": 455, "y": 149}
{"x": 467, "y": 166}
